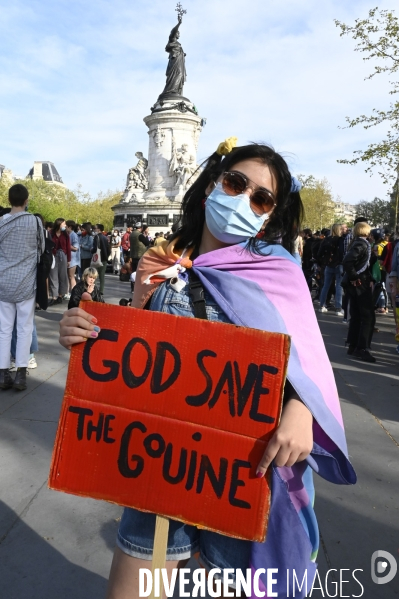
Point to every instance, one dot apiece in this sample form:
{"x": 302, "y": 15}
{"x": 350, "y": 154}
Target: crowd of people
{"x": 350, "y": 272}
{"x": 358, "y": 269}
{"x": 80, "y": 255}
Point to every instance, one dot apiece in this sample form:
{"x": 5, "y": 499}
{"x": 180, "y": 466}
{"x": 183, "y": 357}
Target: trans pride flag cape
{"x": 269, "y": 292}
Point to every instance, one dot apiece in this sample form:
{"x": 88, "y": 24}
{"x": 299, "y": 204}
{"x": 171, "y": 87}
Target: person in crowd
{"x": 4, "y": 211}
{"x": 344, "y": 233}
{"x": 330, "y": 256}
{"x": 388, "y": 252}
{"x": 126, "y": 270}
{"x": 87, "y": 284}
{"x": 356, "y": 264}
{"x": 380, "y": 296}
{"x": 159, "y": 239}
{"x": 58, "y": 278}
{"x": 239, "y": 262}
{"x": 21, "y": 245}
{"x": 49, "y": 226}
{"x": 125, "y": 243}
{"x": 139, "y": 242}
{"x": 101, "y": 243}
{"x": 115, "y": 251}
{"x": 307, "y": 259}
{"x": 42, "y": 294}
{"x": 86, "y": 245}
{"x": 145, "y": 229}
{"x": 318, "y": 268}
{"x": 75, "y": 254}
{"x": 390, "y": 261}
{"x": 350, "y": 234}
{"x": 298, "y": 248}
{"x": 34, "y": 348}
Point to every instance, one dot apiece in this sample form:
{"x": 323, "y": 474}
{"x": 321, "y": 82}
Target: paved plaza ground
{"x": 58, "y": 546}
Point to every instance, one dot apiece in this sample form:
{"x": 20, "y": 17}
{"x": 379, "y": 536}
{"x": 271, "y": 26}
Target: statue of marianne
{"x": 176, "y": 69}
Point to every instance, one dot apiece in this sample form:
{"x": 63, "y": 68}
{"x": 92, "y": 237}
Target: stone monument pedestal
{"x": 171, "y": 127}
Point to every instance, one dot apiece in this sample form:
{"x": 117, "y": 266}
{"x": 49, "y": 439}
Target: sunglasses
{"x": 235, "y": 183}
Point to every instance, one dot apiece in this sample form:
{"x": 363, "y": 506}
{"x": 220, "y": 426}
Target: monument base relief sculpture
{"x": 156, "y": 185}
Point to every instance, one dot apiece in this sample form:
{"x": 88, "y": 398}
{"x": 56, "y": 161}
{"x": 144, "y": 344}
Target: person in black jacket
{"x": 88, "y": 283}
{"x": 330, "y": 256}
{"x": 101, "y": 241}
{"x": 356, "y": 264}
{"x": 307, "y": 258}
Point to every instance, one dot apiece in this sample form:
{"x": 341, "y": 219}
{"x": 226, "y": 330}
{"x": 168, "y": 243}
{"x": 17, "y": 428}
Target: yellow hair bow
{"x": 226, "y": 146}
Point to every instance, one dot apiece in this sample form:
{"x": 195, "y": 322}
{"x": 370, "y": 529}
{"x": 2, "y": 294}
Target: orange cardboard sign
{"x": 171, "y": 415}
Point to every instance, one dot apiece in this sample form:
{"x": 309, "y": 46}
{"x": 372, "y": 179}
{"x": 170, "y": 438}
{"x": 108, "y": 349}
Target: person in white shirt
{"x": 115, "y": 251}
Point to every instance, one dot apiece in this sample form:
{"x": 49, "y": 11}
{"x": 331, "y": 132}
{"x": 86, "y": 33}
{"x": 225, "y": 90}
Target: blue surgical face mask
{"x": 230, "y": 218}
{"x": 63, "y": 228}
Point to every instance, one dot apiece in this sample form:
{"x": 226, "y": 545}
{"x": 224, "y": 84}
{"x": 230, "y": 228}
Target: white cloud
{"x": 78, "y": 84}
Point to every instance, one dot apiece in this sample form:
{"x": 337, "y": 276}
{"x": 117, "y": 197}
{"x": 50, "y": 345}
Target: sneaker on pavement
{"x": 339, "y": 312}
{"x": 32, "y": 362}
{"x": 345, "y": 321}
{"x": 12, "y": 365}
{"x": 364, "y": 355}
{"x": 323, "y": 309}
{"x": 67, "y": 296}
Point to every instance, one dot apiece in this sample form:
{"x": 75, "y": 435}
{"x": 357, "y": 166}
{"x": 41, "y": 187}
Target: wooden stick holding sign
{"x": 167, "y": 414}
{"x": 160, "y": 548}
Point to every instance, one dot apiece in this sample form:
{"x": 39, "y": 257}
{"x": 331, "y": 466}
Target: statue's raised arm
{"x": 176, "y": 69}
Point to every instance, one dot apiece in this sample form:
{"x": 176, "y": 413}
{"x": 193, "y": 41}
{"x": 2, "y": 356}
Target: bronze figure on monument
{"x": 176, "y": 70}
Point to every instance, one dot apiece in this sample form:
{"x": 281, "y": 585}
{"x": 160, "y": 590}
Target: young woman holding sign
{"x": 239, "y": 221}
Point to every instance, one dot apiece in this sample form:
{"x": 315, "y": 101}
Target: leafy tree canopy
{"x": 52, "y": 202}
{"x": 318, "y": 202}
{"x": 378, "y": 38}
{"x": 378, "y": 212}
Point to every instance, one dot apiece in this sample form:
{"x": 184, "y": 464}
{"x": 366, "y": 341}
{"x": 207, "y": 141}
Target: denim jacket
{"x": 86, "y": 245}
{"x": 178, "y": 303}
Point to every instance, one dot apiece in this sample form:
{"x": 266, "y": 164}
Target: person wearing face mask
{"x": 58, "y": 279}
{"x": 229, "y": 262}
{"x": 115, "y": 251}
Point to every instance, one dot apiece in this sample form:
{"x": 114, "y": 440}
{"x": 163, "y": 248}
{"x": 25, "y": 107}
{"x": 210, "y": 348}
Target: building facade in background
{"x": 344, "y": 211}
{"x": 44, "y": 170}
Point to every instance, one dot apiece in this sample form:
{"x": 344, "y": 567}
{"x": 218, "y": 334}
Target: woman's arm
{"x": 293, "y": 440}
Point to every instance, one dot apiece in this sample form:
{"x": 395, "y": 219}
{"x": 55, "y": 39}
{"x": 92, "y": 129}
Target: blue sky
{"x": 77, "y": 79}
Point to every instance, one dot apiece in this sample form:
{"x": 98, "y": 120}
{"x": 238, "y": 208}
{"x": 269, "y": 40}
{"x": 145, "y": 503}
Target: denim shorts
{"x": 136, "y": 537}
{"x": 136, "y": 531}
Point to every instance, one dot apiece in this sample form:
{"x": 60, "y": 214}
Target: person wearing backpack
{"x": 330, "y": 255}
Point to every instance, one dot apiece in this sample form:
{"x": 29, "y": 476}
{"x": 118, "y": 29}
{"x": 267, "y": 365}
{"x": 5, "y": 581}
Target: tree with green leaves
{"x": 54, "y": 201}
{"x": 377, "y": 212}
{"x": 378, "y": 38}
{"x": 318, "y": 202}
